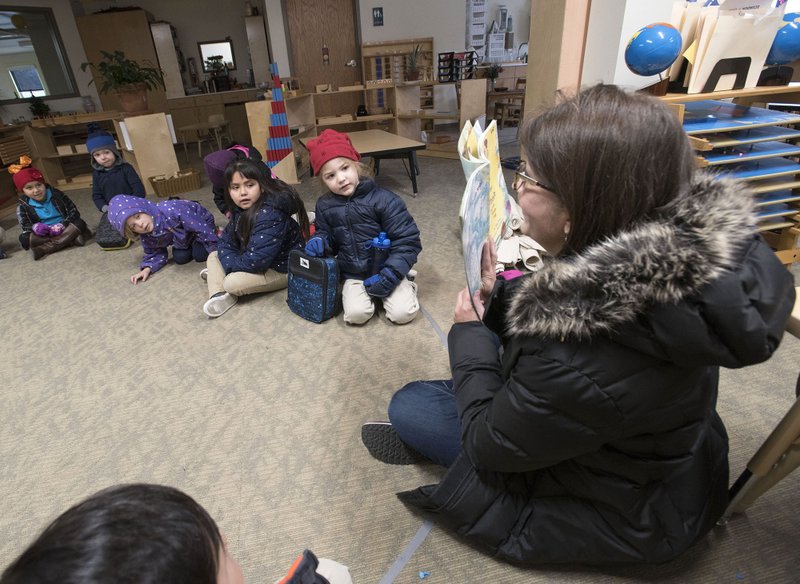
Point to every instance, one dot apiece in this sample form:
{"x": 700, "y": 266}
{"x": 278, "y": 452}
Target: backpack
{"x": 109, "y": 238}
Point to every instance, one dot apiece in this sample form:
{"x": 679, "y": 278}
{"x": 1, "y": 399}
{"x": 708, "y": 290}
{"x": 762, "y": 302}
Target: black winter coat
{"x": 120, "y": 179}
{"x": 27, "y": 215}
{"x": 595, "y": 439}
{"x": 349, "y": 225}
{"x": 273, "y": 235}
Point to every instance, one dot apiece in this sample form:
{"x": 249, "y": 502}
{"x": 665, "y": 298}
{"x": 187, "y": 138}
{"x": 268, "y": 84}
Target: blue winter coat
{"x": 350, "y": 223}
{"x": 120, "y": 179}
{"x": 175, "y": 222}
{"x": 273, "y": 236}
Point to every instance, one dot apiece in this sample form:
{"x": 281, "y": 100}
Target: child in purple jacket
{"x": 185, "y": 225}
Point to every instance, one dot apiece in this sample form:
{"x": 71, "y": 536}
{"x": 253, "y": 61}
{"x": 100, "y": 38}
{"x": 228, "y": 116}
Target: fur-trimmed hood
{"x": 658, "y": 261}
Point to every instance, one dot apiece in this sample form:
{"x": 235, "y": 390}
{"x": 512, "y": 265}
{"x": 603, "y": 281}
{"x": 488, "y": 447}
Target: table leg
{"x": 185, "y": 149}
{"x": 412, "y": 165}
{"x": 218, "y": 136}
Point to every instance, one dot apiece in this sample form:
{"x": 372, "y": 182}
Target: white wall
{"x": 443, "y": 20}
{"x": 277, "y": 36}
{"x": 75, "y": 55}
{"x": 612, "y": 23}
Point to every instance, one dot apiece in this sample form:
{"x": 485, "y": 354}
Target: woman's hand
{"x": 142, "y": 275}
{"x": 488, "y": 273}
{"x": 465, "y": 311}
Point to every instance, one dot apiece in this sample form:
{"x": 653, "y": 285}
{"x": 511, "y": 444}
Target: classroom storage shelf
{"x": 755, "y": 145}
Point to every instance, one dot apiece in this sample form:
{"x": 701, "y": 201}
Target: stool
{"x": 778, "y": 455}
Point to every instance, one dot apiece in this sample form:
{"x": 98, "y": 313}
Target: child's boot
{"x": 54, "y": 244}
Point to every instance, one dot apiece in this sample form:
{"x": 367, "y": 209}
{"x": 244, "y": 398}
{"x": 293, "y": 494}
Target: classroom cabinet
{"x": 760, "y": 148}
{"x": 58, "y": 147}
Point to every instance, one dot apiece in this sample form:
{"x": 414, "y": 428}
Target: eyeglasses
{"x": 520, "y": 176}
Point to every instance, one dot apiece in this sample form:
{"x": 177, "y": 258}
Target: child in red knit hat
{"x": 353, "y": 215}
{"x": 49, "y": 219}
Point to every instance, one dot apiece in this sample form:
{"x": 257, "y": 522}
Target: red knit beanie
{"x": 328, "y": 145}
{"x": 26, "y": 175}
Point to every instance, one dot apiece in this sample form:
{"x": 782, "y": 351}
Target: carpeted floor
{"x": 257, "y": 414}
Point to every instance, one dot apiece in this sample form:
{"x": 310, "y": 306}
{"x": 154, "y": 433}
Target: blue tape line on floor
{"x": 435, "y": 325}
{"x": 406, "y": 554}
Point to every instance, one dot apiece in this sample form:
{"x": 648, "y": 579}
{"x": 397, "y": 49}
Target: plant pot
{"x": 133, "y": 98}
{"x": 412, "y": 75}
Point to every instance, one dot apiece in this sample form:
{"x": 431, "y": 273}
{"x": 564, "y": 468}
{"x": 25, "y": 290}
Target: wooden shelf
{"x": 765, "y": 161}
{"x": 752, "y": 92}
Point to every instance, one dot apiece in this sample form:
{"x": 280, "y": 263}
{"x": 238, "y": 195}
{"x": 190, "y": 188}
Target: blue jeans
{"x": 197, "y": 252}
{"x": 424, "y": 415}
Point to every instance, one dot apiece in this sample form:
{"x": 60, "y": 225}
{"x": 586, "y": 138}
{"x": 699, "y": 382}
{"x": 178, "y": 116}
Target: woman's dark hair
{"x": 611, "y": 157}
{"x": 128, "y": 533}
{"x": 273, "y": 191}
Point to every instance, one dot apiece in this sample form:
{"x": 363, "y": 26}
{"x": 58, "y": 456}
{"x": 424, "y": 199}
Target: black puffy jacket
{"x": 350, "y": 223}
{"x": 594, "y": 438}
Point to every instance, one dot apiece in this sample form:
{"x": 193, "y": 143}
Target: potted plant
{"x": 492, "y": 73}
{"x": 38, "y": 107}
{"x": 126, "y": 78}
{"x": 412, "y": 72}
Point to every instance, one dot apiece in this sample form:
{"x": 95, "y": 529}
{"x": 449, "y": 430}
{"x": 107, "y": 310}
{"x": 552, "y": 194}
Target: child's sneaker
{"x": 219, "y": 304}
{"x": 204, "y": 274}
{"x": 383, "y": 443}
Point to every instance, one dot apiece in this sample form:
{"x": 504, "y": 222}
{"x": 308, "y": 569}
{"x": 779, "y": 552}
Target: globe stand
{"x": 775, "y": 75}
{"x": 659, "y": 88}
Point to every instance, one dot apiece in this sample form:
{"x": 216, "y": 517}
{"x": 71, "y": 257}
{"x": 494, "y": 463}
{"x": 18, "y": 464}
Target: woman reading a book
{"x": 592, "y": 436}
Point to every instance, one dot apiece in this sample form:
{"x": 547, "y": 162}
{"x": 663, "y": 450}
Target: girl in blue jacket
{"x": 268, "y": 220}
{"x": 185, "y": 225}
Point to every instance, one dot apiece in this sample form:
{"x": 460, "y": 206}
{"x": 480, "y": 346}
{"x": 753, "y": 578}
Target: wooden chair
{"x": 778, "y": 455}
{"x": 220, "y": 128}
{"x": 510, "y": 111}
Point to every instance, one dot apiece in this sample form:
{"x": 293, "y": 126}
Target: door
{"x": 317, "y": 27}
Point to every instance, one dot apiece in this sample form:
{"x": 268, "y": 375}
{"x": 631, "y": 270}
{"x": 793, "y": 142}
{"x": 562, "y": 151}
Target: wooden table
{"x": 493, "y": 96}
{"x": 215, "y": 128}
{"x": 379, "y": 144}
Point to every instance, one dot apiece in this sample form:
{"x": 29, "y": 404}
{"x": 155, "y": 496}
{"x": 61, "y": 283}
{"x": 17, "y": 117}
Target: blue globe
{"x": 786, "y": 46}
{"x": 653, "y": 48}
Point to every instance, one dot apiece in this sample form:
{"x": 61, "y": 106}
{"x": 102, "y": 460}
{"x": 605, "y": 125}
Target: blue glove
{"x": 315, "y": 247}
{"x": 382, "y": 284}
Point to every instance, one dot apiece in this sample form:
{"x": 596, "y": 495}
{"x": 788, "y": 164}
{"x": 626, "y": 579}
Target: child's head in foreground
{"x": 133, "y": 534}
{"x": 335, "y": 161}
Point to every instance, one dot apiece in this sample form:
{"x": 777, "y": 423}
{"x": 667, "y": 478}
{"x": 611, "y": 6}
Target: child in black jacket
{"x": 49, "y": 219}
{"x": 111, "y": 176}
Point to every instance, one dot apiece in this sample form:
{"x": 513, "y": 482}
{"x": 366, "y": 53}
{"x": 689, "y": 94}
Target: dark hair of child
{"x": 126, "y": 533}
{"x": 273, "y": 191}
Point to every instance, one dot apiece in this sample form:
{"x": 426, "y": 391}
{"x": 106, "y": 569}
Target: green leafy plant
{"x": 493, "y": 71}
{"x": 215, "y": 64}
{"x": 413, "y": 58}
{"x": 117, "y": 72}
{"x": 38, "y": 107}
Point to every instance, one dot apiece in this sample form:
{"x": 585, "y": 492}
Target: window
{"x": 27, "y": 82}
{"x": 211, "y": 51}
{"x": 33, "y": 55}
